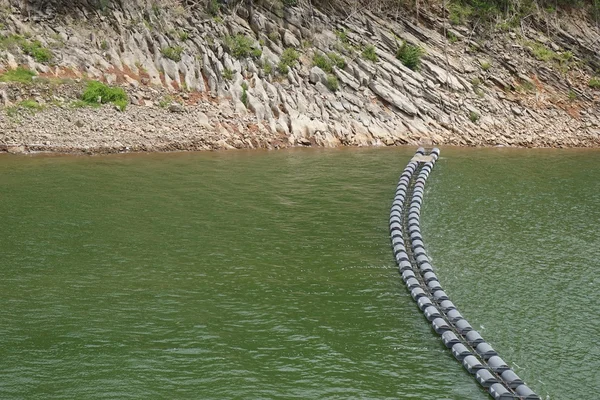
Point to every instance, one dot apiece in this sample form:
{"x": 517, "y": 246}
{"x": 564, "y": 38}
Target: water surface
{"x": 270, "y": 274}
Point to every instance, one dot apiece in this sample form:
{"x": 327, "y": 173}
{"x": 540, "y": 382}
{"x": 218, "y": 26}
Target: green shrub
{"x": 485, "y": 65}
{"x": 473, "y": 116}
{"x": 572, "y": 95}
{"x": 337, "y": 60}
{"x": 452, "y": 38}
{"x": 245, "y": 94}
{"x": 594, "y": 83}
{"x": 540, "y": 51}
{"x": 410, "y": 56}
{"x": 19, "y": 75}
{"x": 459, "y": 13}
{"x": 342, "y": 35}
{"x": 99, "y": 93}
{"x": 332, "y": 83}
{"x": 241, "y": 46}
{"x": 289, "y": 59}
{"x": 227, "y": 74}
{"x": 37, "y": 51}
{"x": 183, "y": 36}
{"x": 268, "y": 68}
{"x": 290, "y": 3}
{"x": 323, "y": 62}
{"x": 213, "y": 7}
{"x": 173, "y": 53}
{"x": 370, "y": 53}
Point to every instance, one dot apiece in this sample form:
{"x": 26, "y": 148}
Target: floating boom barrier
{"x": 466, "y": 344}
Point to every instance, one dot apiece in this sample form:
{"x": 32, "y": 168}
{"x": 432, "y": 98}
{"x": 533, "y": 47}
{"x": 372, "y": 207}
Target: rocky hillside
{"x": 275, "y": 73}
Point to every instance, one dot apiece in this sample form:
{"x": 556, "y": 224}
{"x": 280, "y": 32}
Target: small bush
{"x": 459, "y": 13}
{"x": 323, "y": 62}
{"x": 342, "y": 35}
{"x": 337, "y": 60}
{"x": 410, "y": 56}
{"x": 572, "y": 95}
{"x": 212, "y": 7}
{"x": 227, "y": 74}
{"x": 37, "y": 51}
{"x": 273, "y": 37}
{"x": 19, "y": 75}
{"x": 241, "y": 46}
{"x": 473, "y": 116}
{"x": 290, "y": 3}
{"x": 540, "y": 51}
{"x": 99, "y": 93}
{"x": 452, "y": 38}
{"x": 332, "y": 83}
{"x": 245, "y": 94}
{"x": 289, "y": 59}
{"x": 183, "y": 36}
{"x": 173, "y": 53}
{"x": 485, "y": 65}
{"x": 268, "y": 68}
{"x": 370, "y": 53}
{"x": 594, "y": 83}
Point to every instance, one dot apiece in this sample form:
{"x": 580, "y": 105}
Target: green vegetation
{"x": 31, "y": 105}
{"x": 99, "y": 93}
{"x": 37, "y": 51}
{"x": 476, "y": 83}
{"x": 337, "y": 60}
{"x": 213, "y": 7}
{"x": 183, "y": 36}
{"x": 594, "y": 83}
{"x": 332, "y": 83}
{"x": 19, "y": 75}
{"x": 241, "y": 46}
{"x": 473, "y": 116}
{"x": 173, "y": 53}
{"x": 572, "y": 95}
{"x": 290, "y": 3}
{"x": 227, "y": 74}
{"x": 410, "y": 56}
{"x": 104, "y": 45}
{"x": 342, "y": 35}
{"x": 540, "y": 51}
{"x": 485, "y": 65}
{"x": 273, "y": 36}
{"x": 289, "y": 59}
{"x": 370, "y": 53}
{"x": 452, "y": 38}
{"x": 245, "y": 94}
{"x": 33, "y": 48}
{"x": 268, "y": 68}
{"x": 327, "y": 62}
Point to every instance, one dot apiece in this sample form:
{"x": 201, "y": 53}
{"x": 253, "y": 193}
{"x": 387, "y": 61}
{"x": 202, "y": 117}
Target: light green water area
{"x": 269, "y": 275}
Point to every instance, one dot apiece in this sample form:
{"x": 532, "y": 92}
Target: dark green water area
{"x": 269, "y": 275}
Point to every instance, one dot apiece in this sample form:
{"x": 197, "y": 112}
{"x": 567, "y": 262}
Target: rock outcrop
{"x": 249, "y": 78}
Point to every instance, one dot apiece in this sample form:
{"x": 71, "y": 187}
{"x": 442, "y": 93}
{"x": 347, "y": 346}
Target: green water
{"x": 270, "y": 274}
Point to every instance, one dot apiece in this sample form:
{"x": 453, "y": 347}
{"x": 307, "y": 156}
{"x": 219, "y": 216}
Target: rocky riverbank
{"x": 269, "y": 76}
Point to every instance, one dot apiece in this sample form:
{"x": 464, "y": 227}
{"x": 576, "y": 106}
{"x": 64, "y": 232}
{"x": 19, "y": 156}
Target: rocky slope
{"x": 201, "y": 81}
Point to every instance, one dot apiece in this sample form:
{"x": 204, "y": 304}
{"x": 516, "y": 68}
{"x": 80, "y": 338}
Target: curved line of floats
{"x": 466, "y": 344}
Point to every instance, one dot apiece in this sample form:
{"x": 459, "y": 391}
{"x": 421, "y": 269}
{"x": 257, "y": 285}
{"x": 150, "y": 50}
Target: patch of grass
{"x": 268, "y": 68}
{"x": 410, "y": 56}
{"x": 99, "y": 93}
{"x": 218, "y": 19}
{"x": 323, "y": 62}
{"x": 485, "y": 65}
{"x": 337, "y": 60}
{"x": 572, "y": 95}
{"x": 244, "y": 97}
{"x": 370, "y": 53}
{"x": 37, "y": 51}
{"x": 452, "y": 38}
{"x": 540, "y": 51}
{"x": 82, "y": 104}
{"x": 104, "y": 45}
{"x": 594, "y": 83}
{"x": 213, "y": 7}
{"x": 173, "y": 53}
{"x": 332, "y": 83}
{"x": 31, "y": 105}
{"x": 289, "y": 59}
{"x": 273, "y": 37}
{"x": 473, "y": 116}
{"x": 227, "y": 74}
{"x": 460, "y": 13}
{"x": 342, "y": 35}
{"x": 290, "y": 3}
{"x": 241, "y": 46}
{"x": 19, "y": 75}
{"x": 183, "y": 36}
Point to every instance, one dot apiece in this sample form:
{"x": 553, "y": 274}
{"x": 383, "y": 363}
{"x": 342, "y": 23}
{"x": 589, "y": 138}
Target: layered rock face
{"x": 272, "y": 76}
